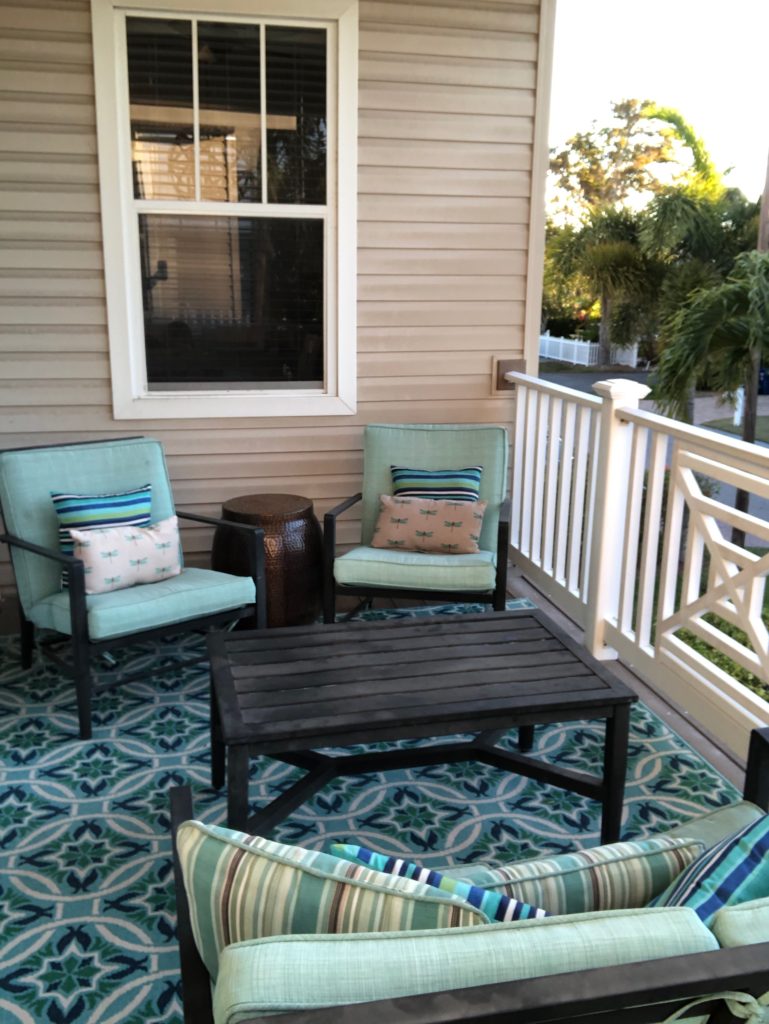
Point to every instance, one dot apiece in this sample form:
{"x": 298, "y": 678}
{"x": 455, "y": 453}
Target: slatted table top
{"x": 360, "y": 682}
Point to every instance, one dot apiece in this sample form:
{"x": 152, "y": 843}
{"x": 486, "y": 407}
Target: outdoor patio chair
{"x": 368, "y": 572}
{"x": 269, "y": 930}
{"x": 87, "y": 477}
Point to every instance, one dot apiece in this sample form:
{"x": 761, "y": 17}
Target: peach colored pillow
{"x": 431, "y": 526}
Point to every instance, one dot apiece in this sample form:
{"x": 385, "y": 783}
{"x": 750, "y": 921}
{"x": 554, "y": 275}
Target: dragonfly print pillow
{"x": 122, "y": 556}
{"x": 429, "y": 526}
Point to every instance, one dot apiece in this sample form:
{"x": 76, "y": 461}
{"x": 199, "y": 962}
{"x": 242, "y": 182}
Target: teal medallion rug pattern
{"x": 86, "y": 895}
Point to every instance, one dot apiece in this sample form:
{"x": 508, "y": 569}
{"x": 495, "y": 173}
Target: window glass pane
{"x": 296, "y": 115}
{"x": 228, "y": 83}
{"x": 232, "y": 302}
{"x": 160, "y": 91}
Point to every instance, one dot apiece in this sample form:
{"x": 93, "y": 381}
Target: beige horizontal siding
{"x": 446, "y": 122}
{"x": 437, "y": 154}
{"x": 468, "y": 263}
{"x": 445, "y": 339}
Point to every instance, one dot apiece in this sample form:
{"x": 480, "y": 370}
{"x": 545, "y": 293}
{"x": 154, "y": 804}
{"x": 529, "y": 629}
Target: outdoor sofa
{"x": 630, "y": 966}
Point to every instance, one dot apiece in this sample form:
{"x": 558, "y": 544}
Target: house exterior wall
{"x": 450, "y": 94}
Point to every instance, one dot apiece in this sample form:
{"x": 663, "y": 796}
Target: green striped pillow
{"x": 618, "y": 876}
{"x": 244, "y": 887}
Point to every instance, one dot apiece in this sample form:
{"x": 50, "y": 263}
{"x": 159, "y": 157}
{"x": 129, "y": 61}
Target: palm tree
{"x": 611, "y": 259}
{"x": 722, "y": 331}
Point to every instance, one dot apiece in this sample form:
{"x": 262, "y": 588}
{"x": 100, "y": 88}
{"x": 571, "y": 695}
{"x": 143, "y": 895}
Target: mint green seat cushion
{"x": 193, "y": 594}
{"x": 743, "y": 924}
{"x": 305, "y": 971}
{"x": 379, "y": 567}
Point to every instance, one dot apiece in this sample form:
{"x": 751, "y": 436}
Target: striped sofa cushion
{"x": 733, "y": 871}
{"x": 456, "y": 484}
{"x": 95, "y": 511}
{"x": 496, "y": 905}
{"x": 245, "y": 887}
{"x": 617, "y": 876}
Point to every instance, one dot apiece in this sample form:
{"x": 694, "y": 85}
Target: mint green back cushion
{"x": 303, "y": 971}
{"x": 28, "y": 476}
{"x": 716, "y": 825}
{"x": 434, "y": 446}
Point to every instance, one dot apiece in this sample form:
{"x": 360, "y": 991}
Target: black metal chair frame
{"x": 83, "y": 648}
{"x": 637, "y": 993}
{"x": 331, "y": 588}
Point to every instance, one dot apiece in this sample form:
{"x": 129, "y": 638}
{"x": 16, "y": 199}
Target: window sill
{"x": 221, "y": 406}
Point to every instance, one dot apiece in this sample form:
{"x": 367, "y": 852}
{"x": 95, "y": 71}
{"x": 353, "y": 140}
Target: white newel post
{"x": 611, "y": 486}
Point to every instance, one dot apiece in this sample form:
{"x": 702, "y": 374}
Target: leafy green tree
{"x": 722, "y": 330}
{"x": 642, "y": 266}
{"x": 605, "y": 167}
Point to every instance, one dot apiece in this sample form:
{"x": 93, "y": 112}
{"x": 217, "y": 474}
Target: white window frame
{"x": 131, "y": 397}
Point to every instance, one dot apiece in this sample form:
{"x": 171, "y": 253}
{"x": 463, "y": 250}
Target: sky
{"x": 706, "y": 58}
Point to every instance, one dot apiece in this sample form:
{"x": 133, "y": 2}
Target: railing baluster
{"x": 517, "y": 482}
{"x": 554, "y": 453}
{"x": 655, "y": 486}
{"x": 529, "y": 464}
{"x": 563, "y": 513}
{"x": 631, "y": 539}
{"x": 539, "y": 447}
{"x": 578, "y": 494}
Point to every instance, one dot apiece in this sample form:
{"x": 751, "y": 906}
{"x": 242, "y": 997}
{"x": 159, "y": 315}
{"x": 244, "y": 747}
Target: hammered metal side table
{"x": 292, "y": 553}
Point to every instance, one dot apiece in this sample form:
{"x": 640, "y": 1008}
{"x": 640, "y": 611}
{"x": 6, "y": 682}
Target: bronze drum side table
{"x": 292, "y": 553}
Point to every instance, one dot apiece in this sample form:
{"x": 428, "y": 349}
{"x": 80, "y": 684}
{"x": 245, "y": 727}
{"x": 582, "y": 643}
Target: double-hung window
{"x": 227, "y": 155}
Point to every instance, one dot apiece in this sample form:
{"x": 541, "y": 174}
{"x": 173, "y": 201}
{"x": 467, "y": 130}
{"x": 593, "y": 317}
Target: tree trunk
{"x": 749, "y": 417}
{"x": 604, "y": 330}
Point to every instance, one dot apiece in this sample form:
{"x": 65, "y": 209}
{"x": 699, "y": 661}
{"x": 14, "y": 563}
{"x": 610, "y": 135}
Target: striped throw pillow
{"x": 95, "y": 511}
{"x": 617, "y": 876}
{"x": 495, "y": 905}
{"x": 733, "y": 871}
{"x": 245, "y": 887}
{"x": 454, "y": 484}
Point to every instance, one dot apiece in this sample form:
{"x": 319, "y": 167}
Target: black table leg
{"x": 237, "y": 787}
{"x": 525, "y": 738}
{"x": 614, "y": 772}
{"x": 217, "y": 747}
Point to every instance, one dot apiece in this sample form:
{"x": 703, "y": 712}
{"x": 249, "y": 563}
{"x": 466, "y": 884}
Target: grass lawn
{"x": 762, "y": 427}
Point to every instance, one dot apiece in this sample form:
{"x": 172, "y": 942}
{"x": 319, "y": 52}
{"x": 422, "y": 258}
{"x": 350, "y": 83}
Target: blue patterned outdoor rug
{"x": 86, "y": 899}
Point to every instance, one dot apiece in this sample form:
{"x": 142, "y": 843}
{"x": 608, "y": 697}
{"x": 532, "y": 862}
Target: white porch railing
{"x": 624, "y": 520}
{"x": 583, "y": 353}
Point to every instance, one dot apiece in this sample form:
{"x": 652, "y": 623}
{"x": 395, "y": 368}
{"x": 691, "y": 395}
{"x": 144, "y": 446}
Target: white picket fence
{"x": 616, "y": 517}
{"x": 583, "y": 353}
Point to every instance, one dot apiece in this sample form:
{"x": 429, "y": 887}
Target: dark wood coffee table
{"x": 287, "y": 692}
